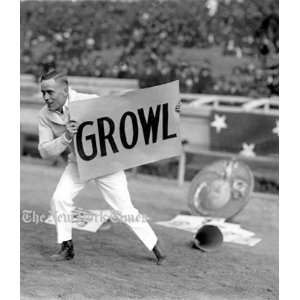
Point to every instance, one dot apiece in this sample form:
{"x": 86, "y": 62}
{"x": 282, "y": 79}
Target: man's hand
{"x": 177, "y": 107}
{"x": 71, "y": 129}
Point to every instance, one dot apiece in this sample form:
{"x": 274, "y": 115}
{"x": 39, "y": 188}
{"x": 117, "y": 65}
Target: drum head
{"x": 221, "y": 189}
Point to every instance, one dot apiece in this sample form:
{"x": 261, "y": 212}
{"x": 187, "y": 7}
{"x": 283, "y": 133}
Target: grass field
{"x": 113, "y": 264}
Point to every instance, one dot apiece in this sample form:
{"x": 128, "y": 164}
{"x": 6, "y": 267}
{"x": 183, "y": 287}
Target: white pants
{"x": 115, "y": 192}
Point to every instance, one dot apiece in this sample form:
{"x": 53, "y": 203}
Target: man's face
{"x": 54, "y": 94}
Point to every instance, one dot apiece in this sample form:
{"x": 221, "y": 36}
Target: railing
{"x": 193, "y": 103}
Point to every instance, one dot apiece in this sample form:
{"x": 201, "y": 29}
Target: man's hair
{"x": 57, "y": 76}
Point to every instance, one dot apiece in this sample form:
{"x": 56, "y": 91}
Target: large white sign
{"x": 117, "y": 132}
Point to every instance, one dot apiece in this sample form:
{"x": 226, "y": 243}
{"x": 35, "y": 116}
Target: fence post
{"x": 181, "y": 168}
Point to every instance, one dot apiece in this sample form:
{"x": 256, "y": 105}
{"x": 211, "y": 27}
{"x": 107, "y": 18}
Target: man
{"x": 56, "y": 133}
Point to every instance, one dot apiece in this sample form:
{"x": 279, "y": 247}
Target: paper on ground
{"x": 232, "y": 233}
{"x": 190, "y": 223}
{"x": 88, "y": 220}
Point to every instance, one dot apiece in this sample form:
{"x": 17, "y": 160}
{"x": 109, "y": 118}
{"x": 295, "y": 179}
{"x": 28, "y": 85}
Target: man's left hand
{"x": 177, "y": 107}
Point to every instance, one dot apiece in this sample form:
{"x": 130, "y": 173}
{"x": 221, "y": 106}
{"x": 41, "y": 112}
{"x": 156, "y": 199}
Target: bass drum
{"x": 221, "y": 190}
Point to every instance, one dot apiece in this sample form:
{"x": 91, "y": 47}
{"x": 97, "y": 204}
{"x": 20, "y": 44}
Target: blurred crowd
{"x": 73, "y": 35}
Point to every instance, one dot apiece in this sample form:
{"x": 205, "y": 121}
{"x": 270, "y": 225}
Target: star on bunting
{"x": 219, "y": 122}
{"x": 248, "y": 150}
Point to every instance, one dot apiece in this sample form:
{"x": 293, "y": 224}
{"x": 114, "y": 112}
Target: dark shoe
{"x": 159, "y": 255}
{"x": 66, "y": 252}
{"x": 107, "y": 225}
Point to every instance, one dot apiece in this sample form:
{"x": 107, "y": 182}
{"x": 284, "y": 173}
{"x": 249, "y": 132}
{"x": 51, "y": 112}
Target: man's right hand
{"x": 71, "y": 129}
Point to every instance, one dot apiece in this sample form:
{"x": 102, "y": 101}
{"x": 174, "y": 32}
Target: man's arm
{"x": 48, "y": 145}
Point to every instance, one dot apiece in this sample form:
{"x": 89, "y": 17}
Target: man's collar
{"x": 60, "y": 111}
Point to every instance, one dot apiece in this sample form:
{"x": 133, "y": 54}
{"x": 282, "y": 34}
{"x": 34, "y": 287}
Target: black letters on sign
{"x": 90, "y": 137}
{"x": 151, "y": 124}
{"x": 103, "y": 137}
{"x": 135, "y": 129}
{"x": 165, "y": 119}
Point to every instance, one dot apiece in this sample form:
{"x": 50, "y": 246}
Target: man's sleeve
{"x": 48, "y": 145}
